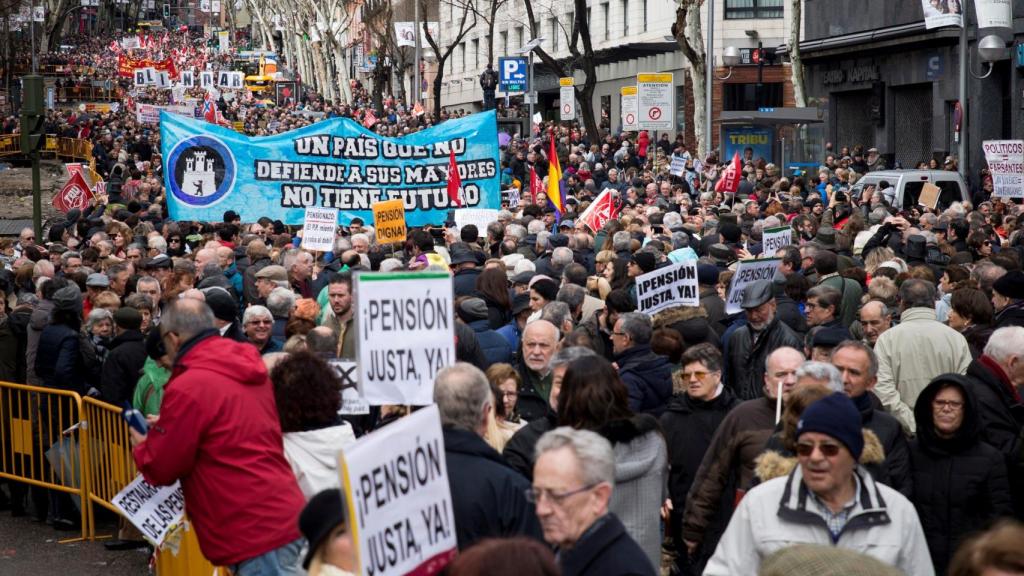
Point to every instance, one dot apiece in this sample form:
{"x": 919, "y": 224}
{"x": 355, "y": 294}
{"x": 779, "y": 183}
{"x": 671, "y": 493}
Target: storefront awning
{"x": 914, "y": 33}
{"x": 772, "y": 116}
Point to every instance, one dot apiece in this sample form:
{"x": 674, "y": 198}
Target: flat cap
{"x": 757, "y": 294}
{"x": 273, "y": 272}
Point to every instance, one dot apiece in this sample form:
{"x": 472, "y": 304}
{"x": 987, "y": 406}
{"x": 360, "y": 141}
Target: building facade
{"x": 629, "y": 37}
{"x": 881, "y": 79}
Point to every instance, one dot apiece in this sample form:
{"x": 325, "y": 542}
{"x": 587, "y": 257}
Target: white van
{"x": 908, "y": 185}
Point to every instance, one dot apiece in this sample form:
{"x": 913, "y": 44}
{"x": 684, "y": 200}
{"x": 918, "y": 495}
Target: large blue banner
{"x": 336, "y": 163}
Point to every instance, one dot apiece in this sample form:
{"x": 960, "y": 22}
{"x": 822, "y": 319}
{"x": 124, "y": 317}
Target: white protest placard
{"x": 318, "y": 228}
{"x": 399, "y": 501}
{"x": 405, "y": 333}
{"x": 566, "y": 99}
{"x": 674, "y": 285}
{"x": 629, "y": 109}
{"x": 748, "y": 272}
{"x": 774, "y": 238}
{"x": 154, "y": 510}
{"x": 479, "y": 217}
{"x": 163, "y": 79}
{"x": 223, "y": 39}
{"x": 1006, "y": 163}
{"x": 147, "y": 114}
{"x": 677, "y": 167}
{"x": 188, "y": 78}
{"x": 655, "y": 95}
{"x": 206, "y": 79}
{"x": 352, "y": 402}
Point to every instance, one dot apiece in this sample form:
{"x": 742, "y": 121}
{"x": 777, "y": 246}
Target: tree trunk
{"x": 796, "y": 65}
{"x": 687, "y": 31}
{"x": 438, "y": 79}
{"x": 586, "y": 101}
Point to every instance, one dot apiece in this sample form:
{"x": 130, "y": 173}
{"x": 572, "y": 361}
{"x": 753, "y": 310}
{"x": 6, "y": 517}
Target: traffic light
{"x": 167, "y": 10}
{"x": 33, "y": 114}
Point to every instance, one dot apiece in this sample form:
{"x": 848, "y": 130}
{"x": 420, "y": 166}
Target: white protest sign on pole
{"x": 480, "y": 217}
{"x": 352, "y": 402}
{"x": 567, "y": 99}
{"x": 748, "y": 272}
{"x": 677, "y": 167}
{"x": 1006, "y": 163}
{"x": 674, "y": 285}
{"x": 629, "y": 109}
{"x": 318, "y": 228}
{"x": 774, "y": 238}
{"x": 399, "y": 502}
{"x": 154, "y": 510}
{"x": 405, "y": 333}
{"x": 655, "y": 96}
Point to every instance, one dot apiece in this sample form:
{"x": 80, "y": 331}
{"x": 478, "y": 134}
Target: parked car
{"x": 910, "y": 183}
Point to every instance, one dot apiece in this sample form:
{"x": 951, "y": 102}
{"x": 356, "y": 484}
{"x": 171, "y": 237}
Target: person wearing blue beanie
{"x": 836, "y": 416}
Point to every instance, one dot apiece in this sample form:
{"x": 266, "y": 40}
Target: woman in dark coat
{"x": 492, "y": 286}
{"x": 694, "y": 413}
{"x": 60, "y": 365}
{"x": 960, "y": 482}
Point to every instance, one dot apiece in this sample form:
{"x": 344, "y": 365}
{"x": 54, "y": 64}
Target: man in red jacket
{"x": 218, "y": 432}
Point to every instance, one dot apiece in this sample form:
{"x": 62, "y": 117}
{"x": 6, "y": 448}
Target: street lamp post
{"x": 709, "y": 76}
{"x": 528, "y": 49}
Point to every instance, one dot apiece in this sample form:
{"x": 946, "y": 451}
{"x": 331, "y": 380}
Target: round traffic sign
{"x": 566, "y": 108}
{"x": 630, "y": 118}
{"x": 654, "y": 113}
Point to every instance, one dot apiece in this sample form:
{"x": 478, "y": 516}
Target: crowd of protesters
{"x": 582, "y": 436}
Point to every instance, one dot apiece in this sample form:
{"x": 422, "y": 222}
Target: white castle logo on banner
{"x": 199, "y": 178}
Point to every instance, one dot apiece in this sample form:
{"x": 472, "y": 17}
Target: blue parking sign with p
{"x": 513, "y": 74}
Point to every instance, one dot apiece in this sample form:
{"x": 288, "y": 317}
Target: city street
{"x": 28, "y": 548}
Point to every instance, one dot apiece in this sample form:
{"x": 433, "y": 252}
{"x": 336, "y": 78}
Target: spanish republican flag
{"x": 556, "y": 195}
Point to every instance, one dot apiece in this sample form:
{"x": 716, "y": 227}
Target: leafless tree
{"x": 467, "y": 20}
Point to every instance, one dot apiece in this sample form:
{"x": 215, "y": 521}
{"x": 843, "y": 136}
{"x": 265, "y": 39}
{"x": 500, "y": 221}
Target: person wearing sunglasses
{"x": 258, "y": 323}
{"x": 827, "y": 499}
{"x": 960, "y": 481}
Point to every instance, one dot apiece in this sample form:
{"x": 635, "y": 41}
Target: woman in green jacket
{"x": 149, "y": 391}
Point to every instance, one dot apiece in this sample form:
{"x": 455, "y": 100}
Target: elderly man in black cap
{"x": 750, "y": 345}
{"x": 1008, "y": 299}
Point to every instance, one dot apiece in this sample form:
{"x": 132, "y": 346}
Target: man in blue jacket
{"x": 647, "y": 376}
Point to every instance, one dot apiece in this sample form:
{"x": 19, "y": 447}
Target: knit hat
{"x": 68, "y": 298}
{"x": 834, "y": 415}
{"x": 222, "y": 304}
{"x": 128, "y": 318}
{"x": 645, "y": 260}
{"x": 1010, "y": 285}
{"x": 707, "y": 274}
{"x": 472, "y": 309}
{"x": 321, "y": 515}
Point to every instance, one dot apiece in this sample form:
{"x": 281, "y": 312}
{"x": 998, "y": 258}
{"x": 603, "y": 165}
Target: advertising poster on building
{"x": 939, "y": 13}
{"x": 737, "y": 139}
{"x": 336, "y": 163}
{"x": 994, "y": 13}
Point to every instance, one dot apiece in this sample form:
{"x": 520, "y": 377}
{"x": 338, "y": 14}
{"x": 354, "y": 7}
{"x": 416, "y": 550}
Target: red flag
{"x": 74, "y": 194}
{"x": 369, "y": 119}
{"x": 454, "y": 181}
{"x": 730, "y": 180}
{"x": 600, "y": 211}
{"x": 536, "y": 185}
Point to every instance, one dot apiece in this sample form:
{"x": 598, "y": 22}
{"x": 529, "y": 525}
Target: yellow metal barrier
{"x": 10, "y": 145}
{"x": 111, "y": 466}
{"x": 41, "y": 444}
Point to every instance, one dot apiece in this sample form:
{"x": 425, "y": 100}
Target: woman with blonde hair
{"x": 504, "y": 421}
{"x": 121, "y": 237}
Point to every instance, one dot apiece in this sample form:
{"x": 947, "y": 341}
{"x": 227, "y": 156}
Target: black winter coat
{"x": 493, "y": 345}
{"x": 960, "y": 483}
{"x": 464, "y": 282}
{"x": 894, "y": 472}
{"x": 123, "y": 367}
{"x": 689, "y": 425}
{"x": 520, "y": 450}
{"x": 648, "y": 379}
{"x": 1000, "y": 418}
{"x": 488, "y": 495}
{"x": 746, "y": 360}
{"x": 605, "y": 549}
{"x": 58, "y": 359}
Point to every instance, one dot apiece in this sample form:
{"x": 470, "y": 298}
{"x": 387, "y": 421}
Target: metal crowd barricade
{"x": 10, "y": 145}
{"x": 43, "y": 444}
{"x": 111, "y": 466}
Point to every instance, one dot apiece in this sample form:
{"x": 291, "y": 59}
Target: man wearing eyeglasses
{"x": 25, "y": 239}
{"x": 489, "y": 497}
{"x": 573, "y": 481}
{"x": 828, "y": 500}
